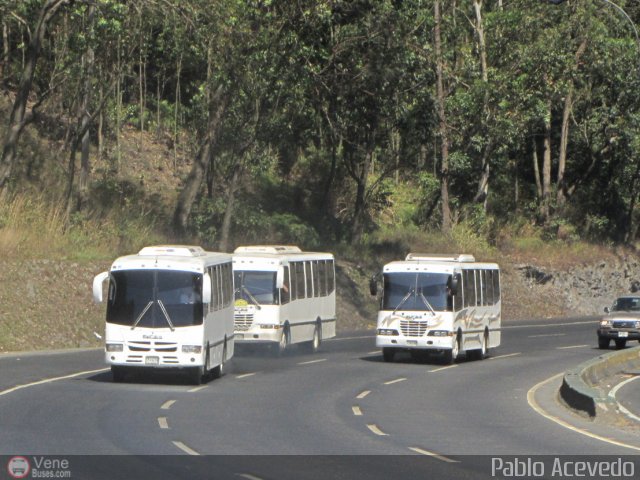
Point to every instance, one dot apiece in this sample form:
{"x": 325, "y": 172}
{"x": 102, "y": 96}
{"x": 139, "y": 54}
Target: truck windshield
{"x": 408, "y": 291}
{"x": 257, "y": 288}
{"x": 131, "y": 292}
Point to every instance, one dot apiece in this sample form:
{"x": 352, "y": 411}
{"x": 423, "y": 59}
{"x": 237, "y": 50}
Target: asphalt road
{"x": 339, "y": 413}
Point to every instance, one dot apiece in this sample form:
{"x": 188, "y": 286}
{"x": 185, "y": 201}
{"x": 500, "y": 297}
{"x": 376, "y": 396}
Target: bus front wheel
{"x": 388, "y": 353}
{"x": 451, "y": 355}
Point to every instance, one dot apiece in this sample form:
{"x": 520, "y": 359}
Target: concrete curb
{"x": 579, "y": 390}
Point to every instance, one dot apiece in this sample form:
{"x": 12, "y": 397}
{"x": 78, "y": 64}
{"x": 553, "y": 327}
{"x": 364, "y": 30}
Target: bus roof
{"x": 436, "y": 263}
{"x": 268, "y": 256}
{"x": 171, "y": 257}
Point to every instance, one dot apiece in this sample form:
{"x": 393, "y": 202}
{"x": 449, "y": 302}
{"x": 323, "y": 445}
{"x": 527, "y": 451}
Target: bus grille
{"x": 412, "y": 328}
{"x": 156, "y": 346}
{"x": 242, "y": 322}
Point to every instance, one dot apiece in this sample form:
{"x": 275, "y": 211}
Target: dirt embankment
{"x": 47, "y": 304}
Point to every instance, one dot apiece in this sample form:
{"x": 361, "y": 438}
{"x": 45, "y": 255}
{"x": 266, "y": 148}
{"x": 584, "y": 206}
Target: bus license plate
{"x": 152, "y": 360}
{"x": 240, "y": 336}
{"x": 412, "y": 342}
{"x": 623, "y": 334}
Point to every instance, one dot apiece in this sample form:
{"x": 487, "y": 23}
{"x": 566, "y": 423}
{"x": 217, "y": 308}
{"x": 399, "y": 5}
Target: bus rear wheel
{"x": 313, "y": 345}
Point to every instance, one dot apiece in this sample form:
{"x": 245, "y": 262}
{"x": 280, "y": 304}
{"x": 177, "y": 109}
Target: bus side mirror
{"x": 373, "y": 285}
{"x": 206, "y": 288}
{"x": 453, "y": 283}
{"x": 280, "y": 277}
{"x": 98, "y": 283}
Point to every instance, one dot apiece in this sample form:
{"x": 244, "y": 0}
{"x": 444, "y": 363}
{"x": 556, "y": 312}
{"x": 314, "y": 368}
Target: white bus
{"x": 283, "y": 296}
{"x": 168, "y": 306}
{"x": 444, "y": 303}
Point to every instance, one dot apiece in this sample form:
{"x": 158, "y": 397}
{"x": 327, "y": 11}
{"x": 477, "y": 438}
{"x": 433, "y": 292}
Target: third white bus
{"x": 283, "y": 296}
{"x": 443, "y": 303}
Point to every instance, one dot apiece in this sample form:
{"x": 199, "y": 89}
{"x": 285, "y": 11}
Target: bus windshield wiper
{"x": 251, "y": 297}
{"x": 135, "y": 324}
{"x": 166, "y": 315}
{"x": 426, "y": 302}
{"x": 406, "y": 297}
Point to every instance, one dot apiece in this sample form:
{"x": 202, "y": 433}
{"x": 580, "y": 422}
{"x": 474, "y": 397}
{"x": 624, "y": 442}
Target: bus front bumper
{"x": 257, "y": 335}
{"x": 154, "y": 359}
{"x": 423, "y": 343}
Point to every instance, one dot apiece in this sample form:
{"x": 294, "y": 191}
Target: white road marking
{"x": 442, "y": 368}
{"x": 313, "y": 361}
{"x": 245, "y": 375}
{"x": 622, "y": 408}
{"x": 374, "y": 428}
{"x": 185, "y": 449}
{"x": 50, "y": 380}
{"x": 347, "y": 338}
{"x": 571, "y": 346}
{"x": 248, "y": 476}
{"x": 534, "y": 404}
{"x": 397, "y": 380}
{"x": 363, "y": 394}
{"x": 504, "y": 356}
{"x": 565, "y": 324}
{"x": 197, "y": 389}
{"x": 548, "y": 335}
{"x": 167, "y": 405}
{"x": 433, "y": 454}
{"x": 356, "y": 411}
{"x": 375, "y": 352}
{"x": 162, "y": 421}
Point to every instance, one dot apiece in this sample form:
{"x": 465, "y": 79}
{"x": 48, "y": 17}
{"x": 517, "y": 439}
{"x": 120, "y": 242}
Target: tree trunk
{"x": 545, "y": 205}
{"x": 536, "y": 169}
{"x": 193, "y": 183}
{"x": 483, "y": 184}
{"x": 359, "y": 207}
{"x": 85, "y": 144}
{"x": 561, "y": 185}
{"x": 229, "y": 209}
{"x": 19, "y": 118}
{"x": 4, "y": 64}
{"x": 440, "y": 100}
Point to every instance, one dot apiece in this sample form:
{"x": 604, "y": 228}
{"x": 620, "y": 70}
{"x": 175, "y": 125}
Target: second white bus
{"x": 284, "y": 296}
{"x": 444, "y": 303}
{"x": 168, "y": 307}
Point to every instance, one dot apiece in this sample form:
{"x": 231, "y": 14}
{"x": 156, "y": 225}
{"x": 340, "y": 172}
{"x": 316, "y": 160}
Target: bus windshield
{"x": 155, "y": 298}
{"x": 409, "y": 290}
{"x": 257, "y": 288}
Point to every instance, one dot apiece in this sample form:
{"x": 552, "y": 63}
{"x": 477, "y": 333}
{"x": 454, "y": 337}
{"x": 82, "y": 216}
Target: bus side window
{"x": 331, "y": 276}
{"x": 458, "y": 299}
{"x": 316, "y": 278}
{"x": 285, "y": 291}
{"x": 309, "y": 277}
{"x": 300, "y": 286}
{"x": 496, "y": 285}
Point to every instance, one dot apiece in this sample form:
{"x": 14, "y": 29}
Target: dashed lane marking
{"x": 547, "y": 335}
{"x": 505, "y": 356}
{"x": 442, "y": 368}
{"x": 248, "y": 476}
{"x": 313, "y": 361}
{"x": 167, "y": 405}
{"x": 421, "y": 451}
{"x": 356, "y": 411}
{"x": 347, "y": 338}
{"x": 185, "y": 449}
{"x": 197, "y": 389}
{"x": 162, "y": 421}
{"x": 374, "y": 428}
{"x": 571, "y": 346}
{"x": 363, "y": 394}
{"x": 397, "y": 380}
{"x": 245, "y": 375}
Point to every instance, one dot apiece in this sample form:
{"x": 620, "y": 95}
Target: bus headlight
{"x": 388, "y": 332}
{"x": 192, "y": 349}
{"x": 114, "y": 347}
{"x": 439, "y": 333}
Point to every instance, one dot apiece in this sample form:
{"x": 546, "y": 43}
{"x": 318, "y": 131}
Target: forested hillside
{"x": 321, "y": 123}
